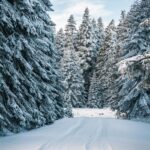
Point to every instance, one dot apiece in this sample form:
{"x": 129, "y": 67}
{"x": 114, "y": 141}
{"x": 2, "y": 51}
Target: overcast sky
{"x": 107, "y": 9}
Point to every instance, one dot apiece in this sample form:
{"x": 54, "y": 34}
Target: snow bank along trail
{"x": 83, "y": 133}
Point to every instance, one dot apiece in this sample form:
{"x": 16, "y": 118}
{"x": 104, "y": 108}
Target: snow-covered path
{"x": 83, "y": 133}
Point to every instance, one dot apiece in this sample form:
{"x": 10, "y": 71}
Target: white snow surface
{"x": 83, "y": 133}
{"x": 103, "y": 113}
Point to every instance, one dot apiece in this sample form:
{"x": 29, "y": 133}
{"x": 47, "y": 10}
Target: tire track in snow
{"x": 91, "y": 141}
{"x": 83, "y": 134}
{"x": 104, "y": 143}
{"x": 50, "y": 143}
{"x": 100, "y": 139}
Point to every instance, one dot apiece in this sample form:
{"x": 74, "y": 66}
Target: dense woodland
{"x": 44, "y": 74}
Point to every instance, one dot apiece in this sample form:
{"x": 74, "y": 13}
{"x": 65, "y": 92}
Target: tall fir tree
{"x": 134, "y": 97}
{"x": 105, "y": 65}
{"x": 71, "y": 26}
{"x": 85, "y": 50}
{"x": 98, "y": 39}
{"x": 30, "y": 89}
{"x": 122, "y": 33}
{"x": 95, "y": 40}
{"x": 73, "y": 79}
{"x": 100, "y": 34}
{"x": 93, "y": 101}
{"x": 60, "y": 41}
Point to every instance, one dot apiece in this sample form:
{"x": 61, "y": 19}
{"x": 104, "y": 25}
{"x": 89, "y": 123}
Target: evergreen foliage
{"x": 30, "y": 89}
{"x": 73, "y": 79}
{"x": 134, "y": 97}
{"x": 43, "y": 75}
{"x": 85, "y": 50}
{"x": 104, "y": 68}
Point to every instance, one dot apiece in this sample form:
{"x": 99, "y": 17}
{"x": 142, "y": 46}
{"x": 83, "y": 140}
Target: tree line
{"x": 42, "y": 76}
{"x": 109, "y": 71}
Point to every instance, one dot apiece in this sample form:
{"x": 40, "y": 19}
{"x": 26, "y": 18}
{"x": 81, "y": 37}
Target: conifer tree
{"x": 93, "y": 93}
{"x": 30, "y": 89}
{"x": 134, "y": 98}
{"x": 122, "y": 31}
{"x": 85, "y": 50}
{"x": 122, "y": 34}
{"x": 98, "y": 39}
{"x": 105, "y": 65}
{"x": 100, "y": 33}
{"x": 60, "y": 43}
{"x": 94, "y": 40}
{"x": 71, "y": 26}
{"x": 73, "y": 79}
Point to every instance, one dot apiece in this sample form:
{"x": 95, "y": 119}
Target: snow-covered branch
{"x": 123, "y": 65}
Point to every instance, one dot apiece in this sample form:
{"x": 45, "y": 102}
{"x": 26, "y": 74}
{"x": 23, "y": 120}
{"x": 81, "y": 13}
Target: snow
{"x": 83, "y": 133}
{"x": 103, "y": 113}
{"x": 124, "y": 63}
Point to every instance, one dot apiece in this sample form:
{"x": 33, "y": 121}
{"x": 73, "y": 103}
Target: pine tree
{"x": 95, "y": 39}
{"x": 85, "y": 50}
{"x": 60, "y": 43}
{"x": 122, "y": 33}
{"x": 73, "y": 79}
{"x": 30, "y": 89}
{"x": 93, "y": 91}
{"x": 134, "y": 98}
{"x": 71, "y": 26}
{"x": 100, "y": 34}
{"x": 105, "y": 66}
{"x": 98, "y": 39}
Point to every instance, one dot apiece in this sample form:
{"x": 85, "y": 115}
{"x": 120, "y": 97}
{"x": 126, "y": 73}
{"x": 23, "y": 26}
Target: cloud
{"x": 76, "y": 7}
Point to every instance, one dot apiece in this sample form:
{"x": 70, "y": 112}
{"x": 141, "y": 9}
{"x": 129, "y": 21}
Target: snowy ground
{"x": 103, "y": 113}
{"x": 83, "y": 133}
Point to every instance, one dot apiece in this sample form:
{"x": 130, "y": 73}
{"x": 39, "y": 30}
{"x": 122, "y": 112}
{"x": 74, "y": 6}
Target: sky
{"x": 107, "y": 9}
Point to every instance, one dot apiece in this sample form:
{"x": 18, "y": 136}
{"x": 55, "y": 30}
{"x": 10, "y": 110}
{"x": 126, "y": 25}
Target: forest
{"x": 45, "y": 73}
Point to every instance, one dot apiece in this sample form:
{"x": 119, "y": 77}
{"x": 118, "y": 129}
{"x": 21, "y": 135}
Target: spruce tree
{"x": 98, "y": 39}
{"x": 95, "y": 39}
{"x": 100, "y": 34}
{"x": 134, "y": 98}
{"x": 105, "y": 66}
{"x": 122, "y": 33}
{"x": 60, "y": 40}
{"x": 85, "y": 50}
{"x": 60, "y": 43}
{"x": 93, "y": 91}
{"x": 71, "y": 26}
{"x": 73, "y": 79}
{"x": 30, "y": 89}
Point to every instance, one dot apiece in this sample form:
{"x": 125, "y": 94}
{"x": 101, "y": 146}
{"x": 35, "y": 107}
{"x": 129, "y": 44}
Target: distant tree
{"x": 73, "y": 79}
{"x": 94, "y": 40}
{"x": 85, "y": 50}
{"x": 93, "y": 91}
{"x": 71, "y": 27}
{"x": 104, "y": 68}
{"x": 100, "y": 34}
{"x": 60, "y": 43}
{"x": 122, "y": 33}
